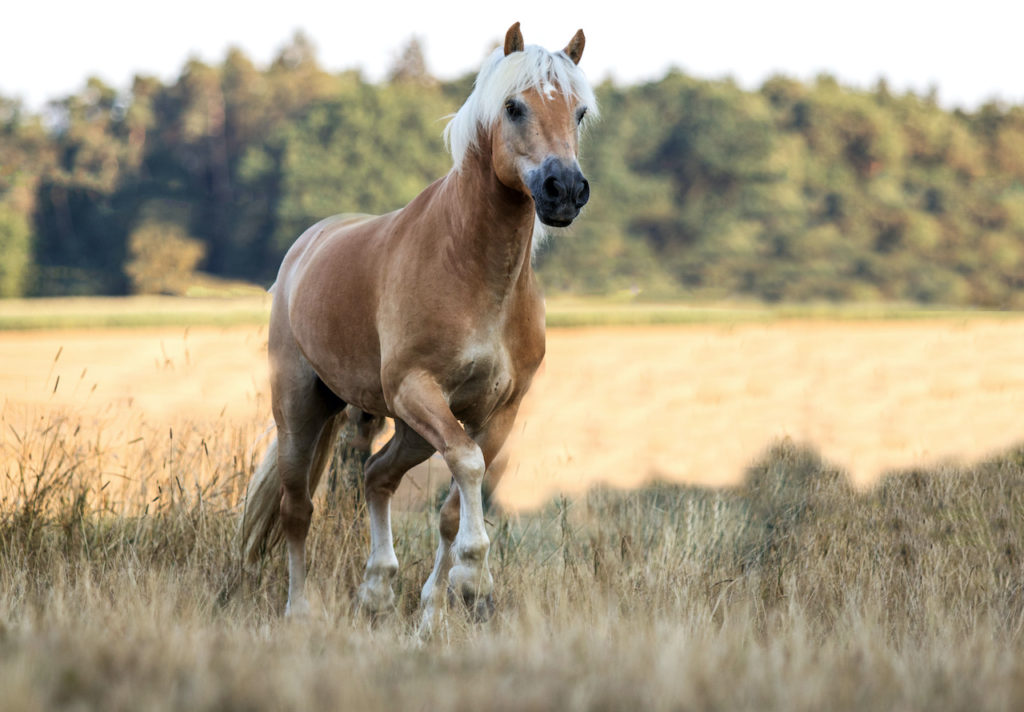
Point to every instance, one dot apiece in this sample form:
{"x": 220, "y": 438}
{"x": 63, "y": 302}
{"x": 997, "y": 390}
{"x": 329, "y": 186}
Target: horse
{"x": 429, "y": 315}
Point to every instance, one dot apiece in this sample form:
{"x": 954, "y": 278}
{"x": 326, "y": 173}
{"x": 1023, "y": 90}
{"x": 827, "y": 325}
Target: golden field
{"x": 774, "y": 567}
{"x": 617, "y": 405}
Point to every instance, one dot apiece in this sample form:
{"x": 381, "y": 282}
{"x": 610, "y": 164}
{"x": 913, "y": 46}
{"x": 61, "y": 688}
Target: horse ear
{"x": 513, "y": 40}
{"x": 575, "y": 47}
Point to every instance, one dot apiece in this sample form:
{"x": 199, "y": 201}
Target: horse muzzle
{"x": 559, "y": 191}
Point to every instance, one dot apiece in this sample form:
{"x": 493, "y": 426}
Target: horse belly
{"x": 360, "y": 387}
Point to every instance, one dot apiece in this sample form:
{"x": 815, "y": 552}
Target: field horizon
{"x": 251, "y": 306}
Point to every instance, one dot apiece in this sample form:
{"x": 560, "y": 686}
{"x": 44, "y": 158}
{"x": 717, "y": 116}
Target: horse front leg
{"x": 458, "y": 567}
{"x": 419, "y": 402}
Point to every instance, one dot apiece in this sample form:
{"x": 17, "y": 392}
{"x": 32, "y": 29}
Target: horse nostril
{"x": 582, "y": 193}
{"x": 553, "y": 188}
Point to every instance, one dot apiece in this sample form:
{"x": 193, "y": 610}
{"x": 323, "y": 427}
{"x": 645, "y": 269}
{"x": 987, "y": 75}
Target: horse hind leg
{"x": 306, "y": 422}
{"x": 351, "y": 452}
{"x": 434, "y": 592}
{"x": 383, "y": 473}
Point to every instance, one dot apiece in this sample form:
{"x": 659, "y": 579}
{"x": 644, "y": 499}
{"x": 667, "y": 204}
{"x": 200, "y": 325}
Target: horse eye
{"x": 580, "y": 114}
{"x": 514, "y": 109}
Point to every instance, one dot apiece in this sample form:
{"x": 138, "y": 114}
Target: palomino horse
{"x": 429, "y": 315}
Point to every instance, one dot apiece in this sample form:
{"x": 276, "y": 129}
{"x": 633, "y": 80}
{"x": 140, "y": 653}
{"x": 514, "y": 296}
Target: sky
{"x": 969, "y": 52}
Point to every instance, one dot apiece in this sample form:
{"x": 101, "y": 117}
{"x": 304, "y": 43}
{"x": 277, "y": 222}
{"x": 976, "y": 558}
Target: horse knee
{"x": 466, "y": 463}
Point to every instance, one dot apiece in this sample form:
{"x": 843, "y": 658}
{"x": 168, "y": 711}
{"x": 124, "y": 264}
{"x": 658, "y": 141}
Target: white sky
{"x": 969, "y": 51}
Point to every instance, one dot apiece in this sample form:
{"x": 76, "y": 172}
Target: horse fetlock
{"x": 383, "y": 568}
{"x": 472, "y": 553}
{"x": 375, "y": 593}
{"x": 480, "y": 608}
{"x": 433, "y": 618}
{"x": 433, "y": 601}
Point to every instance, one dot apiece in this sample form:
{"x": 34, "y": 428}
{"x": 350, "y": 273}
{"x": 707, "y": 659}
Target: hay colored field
{"x": 622, "y": 404}
{"x": 124, "y": 456}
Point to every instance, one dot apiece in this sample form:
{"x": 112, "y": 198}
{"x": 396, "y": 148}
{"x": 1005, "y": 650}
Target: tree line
{"x": 795, "y": 191}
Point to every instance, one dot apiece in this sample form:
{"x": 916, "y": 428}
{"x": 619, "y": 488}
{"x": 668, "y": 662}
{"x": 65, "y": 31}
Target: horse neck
{"x": 493, "y": 235}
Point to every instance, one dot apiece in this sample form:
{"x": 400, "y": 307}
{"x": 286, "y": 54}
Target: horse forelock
{"x": 504, "y": 76}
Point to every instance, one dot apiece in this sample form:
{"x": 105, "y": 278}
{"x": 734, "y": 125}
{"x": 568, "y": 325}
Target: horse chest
{"x": 481, "y": 379}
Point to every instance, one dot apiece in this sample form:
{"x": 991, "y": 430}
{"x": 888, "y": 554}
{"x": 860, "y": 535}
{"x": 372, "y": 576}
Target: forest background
{"x": 795, "y": 191}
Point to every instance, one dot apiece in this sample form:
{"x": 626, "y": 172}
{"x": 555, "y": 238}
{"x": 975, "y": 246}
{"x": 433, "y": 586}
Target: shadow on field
{"x": 798, "y": 530}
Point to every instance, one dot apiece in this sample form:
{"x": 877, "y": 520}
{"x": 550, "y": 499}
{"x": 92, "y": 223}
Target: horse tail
{"x": 260, "y": 530}
{"x": 325, "y": 449}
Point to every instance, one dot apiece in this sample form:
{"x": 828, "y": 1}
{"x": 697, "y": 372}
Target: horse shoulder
{"x": 525, "y": 330}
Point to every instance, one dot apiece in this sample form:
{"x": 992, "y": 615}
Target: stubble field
{"x": 839, "y": 524}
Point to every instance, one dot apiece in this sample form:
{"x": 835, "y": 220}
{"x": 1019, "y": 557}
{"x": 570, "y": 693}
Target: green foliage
{"x": 368, "y": 149}
{"x": 795, "y": 192}
{"x": 15, "y": 251}
{"x": 163, "y": 259}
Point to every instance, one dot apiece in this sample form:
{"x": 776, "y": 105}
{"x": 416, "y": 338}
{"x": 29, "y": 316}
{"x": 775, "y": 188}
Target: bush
{"x": 163, "y": 259}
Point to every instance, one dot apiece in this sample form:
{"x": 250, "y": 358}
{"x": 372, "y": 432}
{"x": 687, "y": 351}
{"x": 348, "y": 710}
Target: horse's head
{"x": 535, "y": 142}
{"x": 529, "y": 104}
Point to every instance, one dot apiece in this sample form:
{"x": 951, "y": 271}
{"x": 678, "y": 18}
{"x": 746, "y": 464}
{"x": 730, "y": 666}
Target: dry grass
{"x": 793, "y": 591}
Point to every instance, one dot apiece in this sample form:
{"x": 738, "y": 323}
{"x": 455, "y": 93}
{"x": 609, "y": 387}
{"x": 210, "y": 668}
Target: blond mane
{"x": 502, "y": 77}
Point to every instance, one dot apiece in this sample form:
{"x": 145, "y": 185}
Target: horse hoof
{"x": 432, "y": 622}
{"x": 374, "y": 601}
{"x": 480, "y": 608}
{"x": 298, "y": 610}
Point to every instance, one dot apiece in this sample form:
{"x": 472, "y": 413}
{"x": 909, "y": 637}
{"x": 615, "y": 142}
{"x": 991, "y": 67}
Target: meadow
{"x": 781, "y": 581}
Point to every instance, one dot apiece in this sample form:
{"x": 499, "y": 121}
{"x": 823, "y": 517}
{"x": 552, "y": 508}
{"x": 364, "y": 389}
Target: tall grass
{"x": 121, "y": 589}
